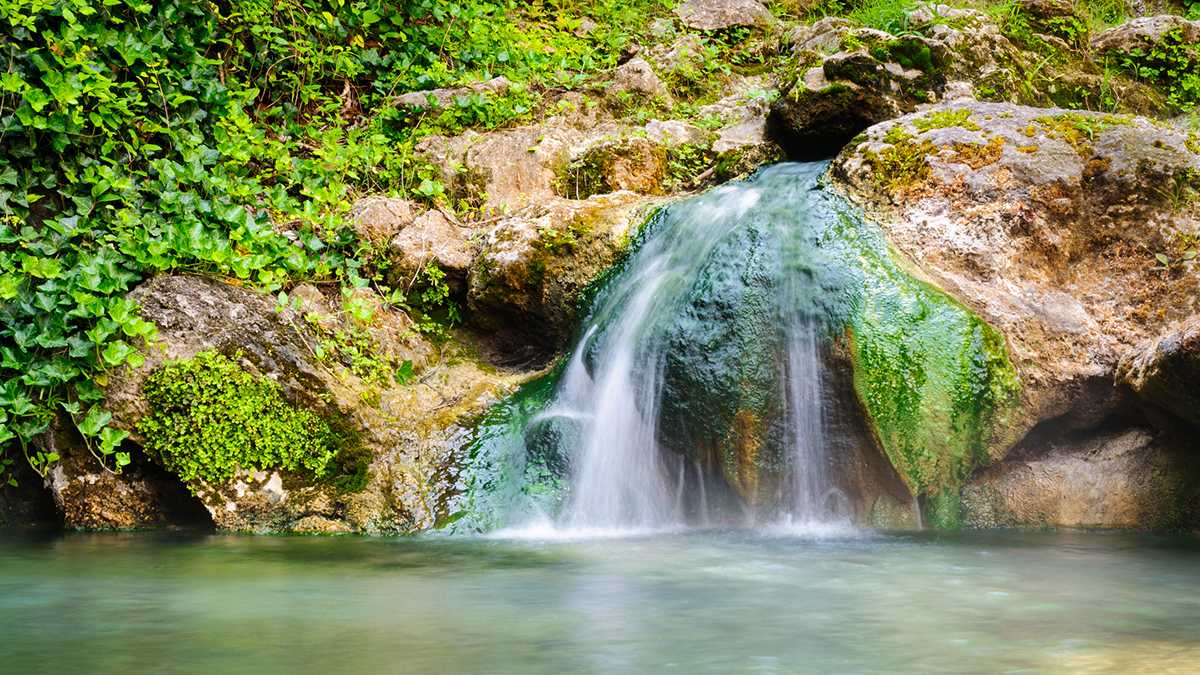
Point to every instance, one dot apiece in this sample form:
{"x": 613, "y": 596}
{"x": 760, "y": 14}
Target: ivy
{"x": 228, "y": 138}
{"x": 1173, "y": 63}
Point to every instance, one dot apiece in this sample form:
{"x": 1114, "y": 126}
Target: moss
{"x": 209, "y": 418}
{"x": 909, "y": 52}
{"x": 943, "y": 119}
{"x": 934, "y": 378}
{"x": 944, "y": 510}
{"x": 513, "y": 469}
{"x": 1193, "y": 142}
{"x": 901, "y": 164}
{"x": 978, "y": 155}
{"x": 1078, "y": 130}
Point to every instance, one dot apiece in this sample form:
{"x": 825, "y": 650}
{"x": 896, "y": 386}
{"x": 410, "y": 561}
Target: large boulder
{"x": 1132, "y": 478}
{"x": 843, "y": 78}
{"x": 397, "y": 434}
{"x": 1044, "y": 223}
{"x": 1144, "y": 33}
{"x": 1165, "y": 371}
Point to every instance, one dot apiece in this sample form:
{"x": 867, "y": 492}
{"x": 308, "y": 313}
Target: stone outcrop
{"x": 721, "y": 14}
{"x": 535, "y": 266}
{"x": 1143, "y": 33}
{"x": 844, "y": 78}
{"x": 1045, "y": 224}
{"x": 1133, "y": 478}
{"x": 408, "y": 430}
{"x": 1165, "y": 371}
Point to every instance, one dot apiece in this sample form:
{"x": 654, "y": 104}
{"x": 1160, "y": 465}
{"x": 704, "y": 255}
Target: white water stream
{"x": 621, "y": 480}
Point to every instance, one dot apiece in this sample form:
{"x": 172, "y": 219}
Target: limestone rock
{"x": 441, "y": 98}
{"x": 409, "y": 432}
{"x": 433, "y": 237}
{"x": 377, "y": 219}
{"x": 1165, "y": 370}
{"x": 90, "y": 497}
{"x": 637, "y": 77}
{"x": 510, "y": 169}
{"x": 1041, "y": 222}
{"x": 1130, "y": 478}
{"x": 534, "y": 265}
{"x": 721, "y": 14}
{"x": 1145, "y": 32}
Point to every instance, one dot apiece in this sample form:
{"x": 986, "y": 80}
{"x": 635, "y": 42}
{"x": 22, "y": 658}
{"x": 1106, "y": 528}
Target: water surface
{"x": 688, "y": 602}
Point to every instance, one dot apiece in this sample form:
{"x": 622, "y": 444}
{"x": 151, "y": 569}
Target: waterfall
{"x": 609, "y": 401}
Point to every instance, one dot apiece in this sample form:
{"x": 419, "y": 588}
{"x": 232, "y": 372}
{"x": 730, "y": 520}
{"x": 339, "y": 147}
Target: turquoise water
{"x": 691, "y": 602}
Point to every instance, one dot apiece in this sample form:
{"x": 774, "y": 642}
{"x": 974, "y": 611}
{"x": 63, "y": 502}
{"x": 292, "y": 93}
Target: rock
{"x": 829, "y": 98}
{"x": 1144, "y": 33}
{"x": 90, "y": 497}
{"x": 509, "y": 169}
{"x": 434, "y": 238}
{"x": 1055, "y": 20}
{"x": 1042, "y": 222}
{"x": 377, "y": 219}
{"x": 1130, "y": 478}
{"x": 1165, "y": 370}
{"x": 638, "y": 160}
{"x": 535, "y": 265}
{"x": 722, "y": 14}
{"x": 441, "y": 98}
{"x": 636, "y": 77}
{"x": 407, "y": 432}
{"x": 673, "y": 132}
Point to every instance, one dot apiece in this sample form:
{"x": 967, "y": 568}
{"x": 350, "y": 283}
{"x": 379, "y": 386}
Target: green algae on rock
{"x": 933, "y": 377}
{"x": 513, "y": 469}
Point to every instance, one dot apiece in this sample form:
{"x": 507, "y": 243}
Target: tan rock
{"x": 1043, "y": 223}
{"x": 377, "y": 219}
{"x": 720, "y": 14}
{"x": 432, "y": 238}
{"x": 1127, "y": 479}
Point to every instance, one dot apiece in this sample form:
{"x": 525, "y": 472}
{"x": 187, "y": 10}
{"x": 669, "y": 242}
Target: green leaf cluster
{"x": 228, "y": 138}
{"x": 209, "y": 417}
{"x": 1173, "y": 63}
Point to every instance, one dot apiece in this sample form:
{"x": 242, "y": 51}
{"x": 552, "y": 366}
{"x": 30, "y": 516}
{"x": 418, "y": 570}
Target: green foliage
{"x": 139, "y": 138}
{"x": 890, "y": 16}
{"x": 942, "y": 119}
{"x": 1173, "y": 64}
{"x": 209, "y": 417}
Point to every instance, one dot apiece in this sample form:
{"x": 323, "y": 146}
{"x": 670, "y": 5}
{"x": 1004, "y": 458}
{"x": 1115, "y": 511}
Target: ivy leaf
{"x": 96, "y": 420}
{"x": 117, "y": 352}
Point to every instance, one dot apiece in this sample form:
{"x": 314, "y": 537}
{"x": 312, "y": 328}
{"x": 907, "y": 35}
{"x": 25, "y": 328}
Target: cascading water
{"x": 610, "y": 397}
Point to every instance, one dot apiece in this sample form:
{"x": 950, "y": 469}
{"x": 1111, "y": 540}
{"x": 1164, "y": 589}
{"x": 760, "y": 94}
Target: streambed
{"x": 687, "y": 602}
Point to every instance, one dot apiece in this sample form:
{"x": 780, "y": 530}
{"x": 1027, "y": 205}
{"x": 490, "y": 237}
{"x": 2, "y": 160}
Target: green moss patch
{"x": 934, "y": 378}
{"x": 209, "y": 418}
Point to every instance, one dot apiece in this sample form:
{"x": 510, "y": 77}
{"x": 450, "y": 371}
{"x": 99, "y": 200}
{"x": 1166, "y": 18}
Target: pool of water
{"x": 689, "y": 602}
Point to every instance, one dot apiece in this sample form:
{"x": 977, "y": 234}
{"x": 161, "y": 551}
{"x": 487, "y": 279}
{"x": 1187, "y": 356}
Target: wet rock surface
{"x": 1132, "y": 478}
